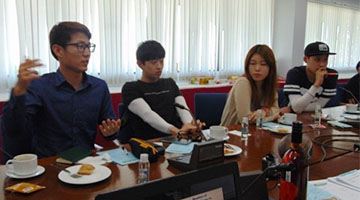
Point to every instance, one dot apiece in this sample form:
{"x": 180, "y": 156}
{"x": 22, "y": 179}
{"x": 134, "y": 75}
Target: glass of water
{"x": 318, "y": 114}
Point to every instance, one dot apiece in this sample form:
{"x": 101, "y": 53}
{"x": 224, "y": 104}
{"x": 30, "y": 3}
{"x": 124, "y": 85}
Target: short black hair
{"x": 357, "y": 66}
{"x": 60, "y": 34}
{"x": 149, "y": 50}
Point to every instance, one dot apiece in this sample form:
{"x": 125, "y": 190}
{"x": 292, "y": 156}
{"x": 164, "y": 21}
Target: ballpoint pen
{"x": 124, "y": 149}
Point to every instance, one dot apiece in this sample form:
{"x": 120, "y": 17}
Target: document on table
{"x": 345, "y": 186}
{"x": 120, "y": 156}
{"x": 180, "y": 148}
{"x": 350, "y": 179}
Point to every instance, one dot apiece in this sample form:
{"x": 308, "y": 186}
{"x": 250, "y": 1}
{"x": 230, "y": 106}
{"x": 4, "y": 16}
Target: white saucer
{"x": 225, "y": 138}
{"x": 353, "y": 111}
{"x": 100, "y": 173}
{"x": 39, "y": 170}
{"x": 206, "y": 133}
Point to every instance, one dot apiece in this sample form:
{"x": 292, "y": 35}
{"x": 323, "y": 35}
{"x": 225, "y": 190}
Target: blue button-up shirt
{"x": 55, "y": 116}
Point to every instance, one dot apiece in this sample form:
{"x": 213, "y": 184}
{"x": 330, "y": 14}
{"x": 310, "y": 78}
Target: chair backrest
{"x": 125, "y": 131}
{"x": 12, "y": 146}
{"x": 120, "y": 109}
{"x": 209, "y": 107}
{"x": 0, "y": 142}
{"x": 282, "y": 100}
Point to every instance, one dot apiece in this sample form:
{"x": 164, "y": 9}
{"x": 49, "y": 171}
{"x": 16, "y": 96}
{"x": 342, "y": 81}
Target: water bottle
{"x": 259, "y": 119}
{"x": 245, "y": 127}
{"x": 144, "y": 168}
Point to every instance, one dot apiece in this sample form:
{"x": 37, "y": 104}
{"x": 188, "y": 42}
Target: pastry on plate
{"x": 228, "y": 149}
{"x": 86, "y": 169}
{"x": 283, "y": 130}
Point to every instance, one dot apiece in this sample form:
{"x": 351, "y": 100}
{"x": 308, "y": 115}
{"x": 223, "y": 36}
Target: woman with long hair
{"x": 256, "y": 89}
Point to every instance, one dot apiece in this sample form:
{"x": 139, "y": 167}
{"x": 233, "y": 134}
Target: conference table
{"x": 261, "y": 142}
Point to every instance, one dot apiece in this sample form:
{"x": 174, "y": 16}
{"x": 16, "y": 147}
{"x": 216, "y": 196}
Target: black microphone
{"x": 196, "y": 124}
{"x": 282, "y": 167}
{"x": 349, "y": 92}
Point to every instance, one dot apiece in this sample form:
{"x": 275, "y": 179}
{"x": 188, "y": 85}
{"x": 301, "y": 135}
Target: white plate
{"x": 352, "y": 112}
{"x": 275, "y": 129}
{"x": 350, "y": 116}
{"x": 39, "y": 171}
{"x": 100, "y": 173}
{"x": 237, "y": 150}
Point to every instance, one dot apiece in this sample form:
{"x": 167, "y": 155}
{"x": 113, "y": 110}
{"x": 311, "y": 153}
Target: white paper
{"x": 345, "y": 186}
{"x": 350, "y": 180}
{"x": 96, "y": 160}
{"x": 235, "y": 132}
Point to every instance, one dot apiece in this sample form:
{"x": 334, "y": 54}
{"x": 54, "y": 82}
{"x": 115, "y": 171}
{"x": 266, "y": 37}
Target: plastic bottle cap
{"x": 245, "y": 119}
{"x": 144, "y": 157}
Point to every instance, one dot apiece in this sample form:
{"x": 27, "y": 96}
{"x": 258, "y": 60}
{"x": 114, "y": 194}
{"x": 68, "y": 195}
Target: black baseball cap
{"x": 317, "y": 48}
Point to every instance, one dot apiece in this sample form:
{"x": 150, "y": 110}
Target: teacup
{"x": 351, "y": 107}
{"x": 218, "y": 132}
{"x": 288, "y": 118}
{"x": 212, "y": 82}
{"x": 22, "y": 165}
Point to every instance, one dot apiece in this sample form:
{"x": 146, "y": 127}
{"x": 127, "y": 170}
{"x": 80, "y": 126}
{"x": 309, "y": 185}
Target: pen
{"x": 332, "y": 74}
{"x": 124, "y": 149}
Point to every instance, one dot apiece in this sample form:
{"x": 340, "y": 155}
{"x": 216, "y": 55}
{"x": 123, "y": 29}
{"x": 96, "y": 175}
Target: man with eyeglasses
{"x": 63, "y": 109}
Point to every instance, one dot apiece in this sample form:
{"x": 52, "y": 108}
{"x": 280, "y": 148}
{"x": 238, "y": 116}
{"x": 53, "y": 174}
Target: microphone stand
{"x": 5, "y": 152}
{"x": 352, "y": 95}
{"x": 198, "y": 129}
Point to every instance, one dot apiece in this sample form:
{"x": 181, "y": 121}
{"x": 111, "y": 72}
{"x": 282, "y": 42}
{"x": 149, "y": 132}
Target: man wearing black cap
{"x": 313, "y": 84}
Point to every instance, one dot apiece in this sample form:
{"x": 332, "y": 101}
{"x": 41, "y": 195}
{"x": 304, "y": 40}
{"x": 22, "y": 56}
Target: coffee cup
{"x": 218, "y": 132}
{"x": 22, "y": 165}
{"x": 288, "y": 118}
{"x": 212, "y": 82}
{"x": 351, "y": 107}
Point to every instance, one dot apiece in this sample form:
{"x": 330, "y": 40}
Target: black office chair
{"x": 209, "y": 107}
{"x": 120, "y": 109}
{"x": 282, "y": 100}
{"x": 125, "y": 131}
{"x": 12, "y": 146}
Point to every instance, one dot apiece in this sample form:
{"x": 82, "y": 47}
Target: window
{"x": 339, "y": 28}
{"x": 202, "y": 37}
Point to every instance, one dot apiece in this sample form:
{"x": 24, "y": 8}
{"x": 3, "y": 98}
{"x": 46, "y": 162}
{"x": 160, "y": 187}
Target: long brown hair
{"x": 269, "y": 85}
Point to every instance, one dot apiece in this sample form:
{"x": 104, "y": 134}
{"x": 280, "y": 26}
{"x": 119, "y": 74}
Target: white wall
{"x": 289, "y": 33}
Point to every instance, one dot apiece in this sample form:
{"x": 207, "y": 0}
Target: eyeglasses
{"x": 81, "y": 46}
